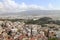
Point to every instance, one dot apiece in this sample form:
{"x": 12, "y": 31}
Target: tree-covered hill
{"x": 43, "y": 20}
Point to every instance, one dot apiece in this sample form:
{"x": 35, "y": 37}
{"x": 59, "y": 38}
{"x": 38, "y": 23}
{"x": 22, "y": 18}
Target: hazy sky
{"x": 23, "y": 5}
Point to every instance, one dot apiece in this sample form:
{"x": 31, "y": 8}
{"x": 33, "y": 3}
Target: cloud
{"x": 12, "y": 6}
{"x": 51, "y": 7}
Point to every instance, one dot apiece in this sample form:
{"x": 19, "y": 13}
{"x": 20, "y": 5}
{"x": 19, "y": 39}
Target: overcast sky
{"x": 23, "y": 5}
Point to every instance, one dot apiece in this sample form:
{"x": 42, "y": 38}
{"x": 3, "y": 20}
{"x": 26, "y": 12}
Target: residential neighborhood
{"x": 19, "y": 30}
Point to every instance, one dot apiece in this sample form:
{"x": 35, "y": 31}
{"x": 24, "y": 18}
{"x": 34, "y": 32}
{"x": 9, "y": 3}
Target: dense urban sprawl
{"x": 18, "y": 30}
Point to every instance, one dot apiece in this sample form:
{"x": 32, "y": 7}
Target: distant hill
{"x": 43, "y": 20}
{"x": 50, "y": 13}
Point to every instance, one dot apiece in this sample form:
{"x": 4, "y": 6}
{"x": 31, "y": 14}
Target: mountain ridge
{"x": 33, "y": 13}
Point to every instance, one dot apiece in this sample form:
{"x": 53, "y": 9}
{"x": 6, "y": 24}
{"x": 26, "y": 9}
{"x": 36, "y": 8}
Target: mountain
{"x": 34, "y": 13}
